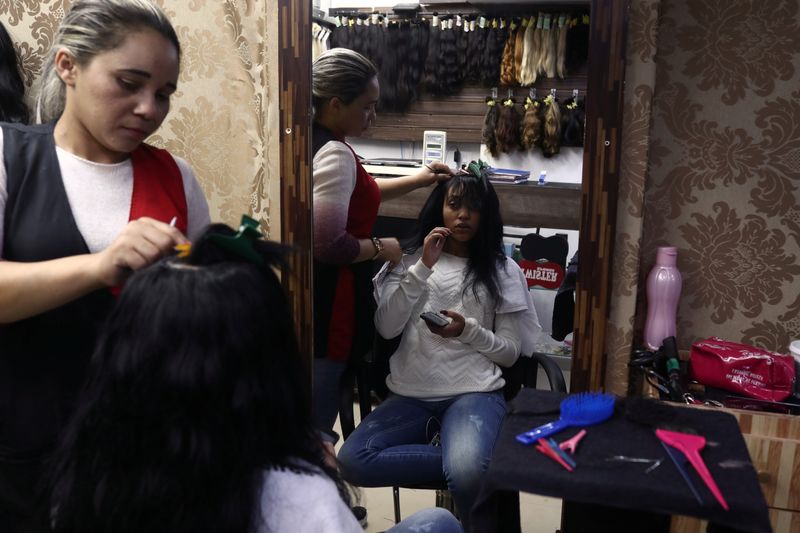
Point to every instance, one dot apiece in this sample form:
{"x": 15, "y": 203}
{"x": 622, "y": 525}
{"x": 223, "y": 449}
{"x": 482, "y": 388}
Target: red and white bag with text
{"x": 742, "y": 369}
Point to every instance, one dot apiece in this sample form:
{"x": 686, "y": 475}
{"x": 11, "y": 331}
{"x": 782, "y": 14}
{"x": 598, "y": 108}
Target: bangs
{"x": 466, "y": 189}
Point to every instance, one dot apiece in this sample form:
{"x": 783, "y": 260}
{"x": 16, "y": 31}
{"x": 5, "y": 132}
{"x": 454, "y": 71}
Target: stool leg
{"x": 396, "y": 497}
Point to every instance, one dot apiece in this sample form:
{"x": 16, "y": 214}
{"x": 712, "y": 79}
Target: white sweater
{"x": 293, "y": 502}
{"x": 429, "y": 366}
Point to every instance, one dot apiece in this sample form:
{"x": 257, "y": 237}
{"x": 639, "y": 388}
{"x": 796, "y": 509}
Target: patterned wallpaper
{"x": 724, "y": 177}
{"x": 224, "y": 117}
{"x": 711, "y": 165}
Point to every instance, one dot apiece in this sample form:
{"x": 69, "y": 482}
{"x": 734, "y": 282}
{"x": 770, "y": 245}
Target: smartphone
{"x": 435, "y": 319}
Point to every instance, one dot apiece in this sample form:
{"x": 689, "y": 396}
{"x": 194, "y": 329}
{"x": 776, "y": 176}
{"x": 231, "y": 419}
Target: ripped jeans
{"x": 392, "y": 446}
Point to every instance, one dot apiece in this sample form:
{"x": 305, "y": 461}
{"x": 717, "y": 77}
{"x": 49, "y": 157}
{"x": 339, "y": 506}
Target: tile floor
{"x": 538, "y": 513}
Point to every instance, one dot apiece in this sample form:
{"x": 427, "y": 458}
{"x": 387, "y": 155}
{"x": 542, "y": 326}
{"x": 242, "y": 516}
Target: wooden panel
{"x": 461, "y": 115}
{"x": 295, "y": 140}
{"x": 781, "y": 521}
{"x": 604, "y": 101}
{"x": 529, "y": 205}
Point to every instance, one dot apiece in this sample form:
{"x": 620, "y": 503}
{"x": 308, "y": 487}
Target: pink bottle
{"x": 663, "y": 290}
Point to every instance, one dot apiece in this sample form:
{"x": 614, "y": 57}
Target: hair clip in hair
{"x": 242, "y": 243}
{"x": 183, "y": 250}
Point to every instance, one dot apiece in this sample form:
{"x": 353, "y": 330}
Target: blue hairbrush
{"x": 584, "y": 409}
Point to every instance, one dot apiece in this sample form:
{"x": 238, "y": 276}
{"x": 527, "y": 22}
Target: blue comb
{"x": 584, "y": 409}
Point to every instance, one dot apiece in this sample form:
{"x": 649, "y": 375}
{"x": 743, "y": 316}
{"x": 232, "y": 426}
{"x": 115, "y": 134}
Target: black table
{"x": 611, "y": 484}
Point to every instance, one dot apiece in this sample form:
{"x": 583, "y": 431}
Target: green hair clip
{"x": 242, "y": 243}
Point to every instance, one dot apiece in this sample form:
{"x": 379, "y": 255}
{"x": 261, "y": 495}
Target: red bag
{"x": 742, "y": 369}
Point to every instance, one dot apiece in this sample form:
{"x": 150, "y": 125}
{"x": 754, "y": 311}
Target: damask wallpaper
{"x": 712, "y": 166}
{"x": 224, "y": 117}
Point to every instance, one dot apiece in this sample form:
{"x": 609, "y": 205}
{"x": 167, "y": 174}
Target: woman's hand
{"x": 453, "y": 329}
{"x": 433, "y": 244}
{"x": 435, "y": 172}
{"x": 141, "y": 243}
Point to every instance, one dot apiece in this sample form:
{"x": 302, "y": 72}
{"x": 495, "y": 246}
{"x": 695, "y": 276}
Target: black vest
{"x": 43, "y": 359}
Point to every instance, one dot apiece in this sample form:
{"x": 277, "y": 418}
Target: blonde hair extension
{"x": 551, "y": 37}
{"x": 519, "y": 48}
{"x": 561, "y": 49}
{"x": 540, "y": 42}
{"x": 552, "y": 126}
{"x": 527, "y": 75}
{"x": 531, "y": 134}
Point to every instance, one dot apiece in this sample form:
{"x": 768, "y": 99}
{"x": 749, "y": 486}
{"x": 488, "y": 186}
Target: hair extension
{"x": 477, "y": 42}
{"x": 508, "y": 75}
{"x": 448, "y": 77}
{"x": 194, "y": 390}
{"x": 462, "y": 44}
{"x": 537, "y": 46}
{"x": 530, "y": 55}
{"x": 519, "y": 49}
{"x": 359, "y": 42}
{"x": 531, "y": 134}
{"x": 492, "y": 54}
{"x": 552, "y": 46}
{"x": 545, "y": 45}
{"x": 489, "y": 125}
{"x": 552, "y": 126}
{"x": 573, "y": 122}
{"x": 486, "y": 247}
{"x": 419, "y": 31}
{"x": 375, "y": 36}
{"x": 507, "y": 129}
{"x": 431, "y": 81}
{"x": 577, "y": 43}
{"x": 389, "y": 75}
{"x": 12, "y": 88}
{"x": 92, "y": 27}
{"x": 561, "y": 49}
{"x": 340, "y": 37}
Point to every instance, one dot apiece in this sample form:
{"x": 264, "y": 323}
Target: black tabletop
{"x": 608, "y": 473}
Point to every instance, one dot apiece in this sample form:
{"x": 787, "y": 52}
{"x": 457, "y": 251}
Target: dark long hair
{"x": 195, "y": 388}
{"x": 12, "y": 88}
{"x": 486, "y": 247}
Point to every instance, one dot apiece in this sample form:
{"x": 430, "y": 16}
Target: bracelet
{"x": 376, "y": 242}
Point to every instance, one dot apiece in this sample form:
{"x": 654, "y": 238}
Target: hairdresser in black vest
{"x": 83, "y": 203}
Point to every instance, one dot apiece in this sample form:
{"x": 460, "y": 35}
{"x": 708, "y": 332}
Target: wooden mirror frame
{"x": 602, "y": 150}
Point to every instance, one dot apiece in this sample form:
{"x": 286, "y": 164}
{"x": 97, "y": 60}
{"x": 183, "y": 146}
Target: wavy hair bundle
{"x": 531, "y": 134}
{"x": 552, "y": 126}
{"x": 489, "y": 124}
{"x": 506, "y": 131}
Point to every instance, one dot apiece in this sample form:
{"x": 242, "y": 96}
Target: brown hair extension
{"x": 531, "y": 134}
{"x": 519, "y": 48}
{"x": 530, "y": 55}
{"x": 489, "y": 124}
{"x": 539, "y": 45}
{"x": 508, "y": 74}
{"x": 561, "y": 49}
{"x": 552, "y": 127}
{"x": 507, "y": 130}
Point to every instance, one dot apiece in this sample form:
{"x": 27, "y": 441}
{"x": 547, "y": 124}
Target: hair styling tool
{"x": 570, "y": 445}
{"x": 546, "y": 448}
{"x": 584, "y": 409}
{"x": 680, "y": 461}
{"x": 242, "y": 243}
{"x": 690, "y": 446}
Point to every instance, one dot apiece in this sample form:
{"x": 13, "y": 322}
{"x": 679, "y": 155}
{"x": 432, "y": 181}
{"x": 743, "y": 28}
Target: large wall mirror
{"x": 593, "y": 210}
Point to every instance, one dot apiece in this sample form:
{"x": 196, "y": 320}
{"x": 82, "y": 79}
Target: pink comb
{"x": 690, "y": 446}
{"x": 545, "y": 448}
{"x": 569, "y": 445}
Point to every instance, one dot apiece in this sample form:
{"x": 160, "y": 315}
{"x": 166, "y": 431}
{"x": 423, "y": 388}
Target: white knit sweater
{"x": 426, "y": 365}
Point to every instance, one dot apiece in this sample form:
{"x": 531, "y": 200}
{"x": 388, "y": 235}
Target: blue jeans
{"x": 325, "y": 395}
{"x": 392, "y": 446}
{"x": 433, "y": 520}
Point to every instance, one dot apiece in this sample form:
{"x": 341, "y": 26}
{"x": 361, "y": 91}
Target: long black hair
{"x": 194, "y": 390}
{"x": 486, "y": 246}
{"x": 12, "y": 88}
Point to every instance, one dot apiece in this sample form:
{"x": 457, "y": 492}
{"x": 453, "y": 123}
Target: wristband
{"x": 376, "y": 242}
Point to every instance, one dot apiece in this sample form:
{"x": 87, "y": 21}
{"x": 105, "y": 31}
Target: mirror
{"x": 604, "y": 95}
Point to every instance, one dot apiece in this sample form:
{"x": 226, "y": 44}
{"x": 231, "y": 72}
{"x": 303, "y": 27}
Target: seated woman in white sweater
{"x": 196, "y": 415}
{"x": 445, "y": 379}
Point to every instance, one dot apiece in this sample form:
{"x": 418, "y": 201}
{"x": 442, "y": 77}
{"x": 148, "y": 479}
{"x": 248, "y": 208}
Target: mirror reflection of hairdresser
{"x": 346, "y": 200}
{"x": 83, "y": 202}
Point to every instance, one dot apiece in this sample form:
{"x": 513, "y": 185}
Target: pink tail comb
{"x": 690, "y": 446}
